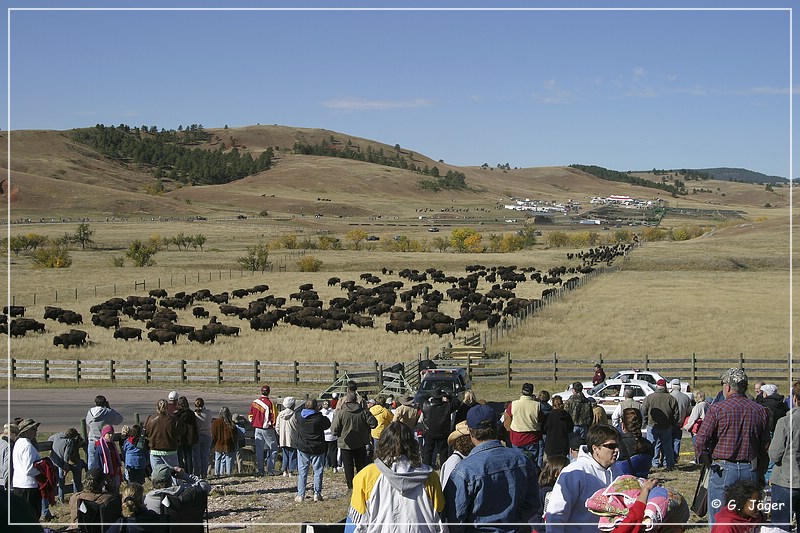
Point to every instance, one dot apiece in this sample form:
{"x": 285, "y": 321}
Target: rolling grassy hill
{"x": 53, "y": 175}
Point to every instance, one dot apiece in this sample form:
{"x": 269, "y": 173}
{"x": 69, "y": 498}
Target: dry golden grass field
{"x": 723, "y": 293}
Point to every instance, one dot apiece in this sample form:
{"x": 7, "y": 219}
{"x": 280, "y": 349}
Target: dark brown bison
{"x": 202, "y": 336}
{"x": 128, "y": 333}
{"x": 162, "y": 335}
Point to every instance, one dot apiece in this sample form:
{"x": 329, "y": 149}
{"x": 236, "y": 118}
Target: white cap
{"x": 769, "y": 389}
{"x": 173, "y": 395}
{"x": 675, "y": 381}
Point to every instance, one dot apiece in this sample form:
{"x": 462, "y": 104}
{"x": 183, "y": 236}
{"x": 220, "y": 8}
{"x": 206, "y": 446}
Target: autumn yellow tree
{"x": 355, "y": 236}
{"x": 459, "y": 239}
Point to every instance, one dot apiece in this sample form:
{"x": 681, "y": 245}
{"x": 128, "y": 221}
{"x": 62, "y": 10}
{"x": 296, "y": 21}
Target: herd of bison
{"x": 413, "y": 309}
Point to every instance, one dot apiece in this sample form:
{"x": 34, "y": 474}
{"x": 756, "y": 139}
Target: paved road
{"x": 59, "y": 409}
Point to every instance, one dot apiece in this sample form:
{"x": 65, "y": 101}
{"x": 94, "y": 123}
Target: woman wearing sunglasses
{"x": 582, "y": 478}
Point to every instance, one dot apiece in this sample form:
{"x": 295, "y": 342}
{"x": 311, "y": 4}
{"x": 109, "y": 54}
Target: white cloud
{"x": 361, "y": 104}
{"x": 639, "y": 72}
{"x": 553, "y": 94}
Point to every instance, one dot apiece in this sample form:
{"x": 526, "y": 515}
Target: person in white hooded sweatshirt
{"x": 579, "y": 480}
{"x": 397, "y": 492}
{"x": 287, "y": 433}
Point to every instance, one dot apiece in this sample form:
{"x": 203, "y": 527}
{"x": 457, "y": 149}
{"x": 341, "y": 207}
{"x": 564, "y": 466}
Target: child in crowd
{"x": 107, "y": 455}
{"x": 137, "y": 457}
{"x": 739, "y": 512}
{"x": 551, "y": 469}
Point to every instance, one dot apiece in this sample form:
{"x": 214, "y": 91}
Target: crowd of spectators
{"x": 536, "y": 463}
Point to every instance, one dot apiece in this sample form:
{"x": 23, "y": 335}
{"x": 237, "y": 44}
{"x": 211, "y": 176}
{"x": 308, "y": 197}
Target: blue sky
{"x": 627, "y": 90}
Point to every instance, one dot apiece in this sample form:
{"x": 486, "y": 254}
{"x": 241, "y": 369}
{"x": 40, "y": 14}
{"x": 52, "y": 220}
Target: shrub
{"x": 327, "y": 242}
{"x": 309, "y": 263}
{"x": 512, "y": 243}
{"x": 118, "y": 261}
{"x": 53, "y": 256}
{"x": 257, "y": 258}
{"x": 654, "y": 234}
{"x": 557, "y": 239}
{"x": 263, "y": 213}
{"x": 142, "y": 253}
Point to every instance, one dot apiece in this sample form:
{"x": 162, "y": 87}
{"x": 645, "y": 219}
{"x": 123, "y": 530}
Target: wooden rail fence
{"x": 564, "y": 368}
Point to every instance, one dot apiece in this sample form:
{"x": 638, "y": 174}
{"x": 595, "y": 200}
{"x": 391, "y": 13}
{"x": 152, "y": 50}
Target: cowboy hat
{"x": 461, "y": 430}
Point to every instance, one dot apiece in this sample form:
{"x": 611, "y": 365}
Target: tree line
{"x": 332, "y": 148}
{"x": 165, "y": 151}
{"x": 614, "y": 175}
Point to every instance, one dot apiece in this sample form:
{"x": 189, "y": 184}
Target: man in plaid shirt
{"x": 733, "y": 440}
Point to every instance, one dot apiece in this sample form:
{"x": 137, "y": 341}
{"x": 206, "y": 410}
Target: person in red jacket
{"x": 262, "y": 417}
{"x": 739, "y": 512}
{"x": 599, "y": 375}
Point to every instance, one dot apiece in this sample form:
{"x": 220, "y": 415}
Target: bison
{"x": 202, "y": 336}
{"x": 74, "y": 337}
{"x": 162, "y": 335}
{"x": 14, "y": 310}
{"x": 128, "y": 333}
{"x": 199, "y": 312}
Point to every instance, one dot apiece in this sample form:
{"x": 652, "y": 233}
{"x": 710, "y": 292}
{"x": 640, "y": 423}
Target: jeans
{"x": 353, "y": 461}
{"x": 171, "y": 460}
{"x": 723, "y": 474}
{"x": 200, "y": 455}
{"x": 318, "y": 463}
{"x": 77, "y": 485}
{"x": 677, "y": 433}
{"x": 266, "y": 438}
{"x": 785, "y": 503}
{"x": 223, "y": 463}
{"x": 91, "y": 456}
{"x": 289, "y": 459}
{"x": 536, "y": 450}
{"x": 662, "y": 439}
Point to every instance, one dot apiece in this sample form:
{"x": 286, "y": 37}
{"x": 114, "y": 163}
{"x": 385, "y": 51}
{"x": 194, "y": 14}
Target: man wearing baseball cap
{"x": 527, "y": 419}
{"x": 733, "y": 440}
{"x": 262, "y": 416}
{"x": 493, "y": 484}
{"x": 660, "y": 414}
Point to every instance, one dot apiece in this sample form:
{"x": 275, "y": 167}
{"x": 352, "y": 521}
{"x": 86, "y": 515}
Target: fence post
{"x": 555, "y": 367}
{"x": 13, "y": 368}
{"x": 601, "y": 359}
{"x": 741, "y": 360}
{"x": 296, "y": 373}
{"x": 256, "y": 377}
{"x": 508, "y": 368}
{"x": 219, "y": 371}
{"x": 469, "y": 366}
{"x": 183, "y": 370}
{"x": 159, "y": 283}
{"x": 111, "y": 370}
{"x": 426, "y": 353}
{"x": 56, "y": 295}
{"x": 76, "y": 293}
{"x": 34, "y": 297}
{"x": 46, "y": 370}
{"x": 147, "y": 370}
{"x": 77, "y": 369}
{"x": 335, "y": 370}
{"x": 694, "y": 370}
{"x": 647, "y": 361}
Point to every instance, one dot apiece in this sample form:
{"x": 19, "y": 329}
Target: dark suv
{"x": 454, "y": 381}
